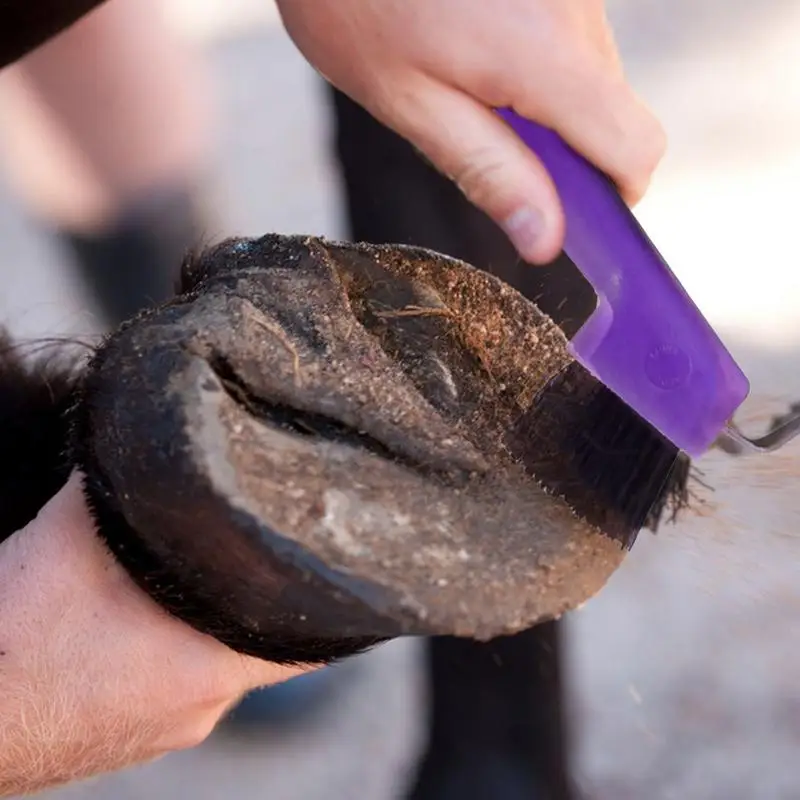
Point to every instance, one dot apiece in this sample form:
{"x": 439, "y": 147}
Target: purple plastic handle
{"x": 647, "y": 341}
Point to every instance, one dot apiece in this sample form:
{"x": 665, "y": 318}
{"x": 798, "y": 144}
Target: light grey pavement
{"x": 685, "y": 670}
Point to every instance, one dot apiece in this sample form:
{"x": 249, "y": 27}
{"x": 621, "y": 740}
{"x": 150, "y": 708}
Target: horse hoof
{"x": 307, "y": 451}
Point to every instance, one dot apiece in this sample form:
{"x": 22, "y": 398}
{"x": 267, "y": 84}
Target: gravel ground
{"x": 686, "y": 669}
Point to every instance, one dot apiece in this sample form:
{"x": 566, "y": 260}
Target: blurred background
{"x": 684, "y": 674}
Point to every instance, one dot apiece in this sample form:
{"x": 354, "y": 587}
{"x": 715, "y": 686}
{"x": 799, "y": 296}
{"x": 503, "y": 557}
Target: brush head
{"x": 611, "y": 466}
{"x": 646, "y": 341}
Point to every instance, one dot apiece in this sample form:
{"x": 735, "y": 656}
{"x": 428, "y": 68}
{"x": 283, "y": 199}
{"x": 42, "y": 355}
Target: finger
{"x": 591, "y": 105}
{"x": 470, "y": 144}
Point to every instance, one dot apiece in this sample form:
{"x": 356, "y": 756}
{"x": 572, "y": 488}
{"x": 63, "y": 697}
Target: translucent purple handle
{"x": 647, "y": 341}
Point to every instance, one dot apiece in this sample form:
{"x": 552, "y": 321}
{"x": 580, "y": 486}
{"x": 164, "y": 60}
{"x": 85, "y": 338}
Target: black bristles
{"x": 587, "y": 446}
{"x": 675, "y": 496}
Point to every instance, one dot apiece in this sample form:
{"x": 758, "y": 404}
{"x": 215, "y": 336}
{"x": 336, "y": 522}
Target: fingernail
{"x": 525, "y": 228}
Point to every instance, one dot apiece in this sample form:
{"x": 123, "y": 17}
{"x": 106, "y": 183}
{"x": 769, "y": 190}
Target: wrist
{"x": 94, "y": 676}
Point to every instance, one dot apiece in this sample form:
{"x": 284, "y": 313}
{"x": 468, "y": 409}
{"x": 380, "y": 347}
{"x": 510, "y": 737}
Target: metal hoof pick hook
{"x": 734, "y": 442}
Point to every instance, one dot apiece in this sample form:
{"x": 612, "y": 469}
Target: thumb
{"x": 470, "y": 144}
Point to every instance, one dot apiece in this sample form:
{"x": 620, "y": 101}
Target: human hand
{"x": 433, "y": 70}
{"x": 94, "y": 676}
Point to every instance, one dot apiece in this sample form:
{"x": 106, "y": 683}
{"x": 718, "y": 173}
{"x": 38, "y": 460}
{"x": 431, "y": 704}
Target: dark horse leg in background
{"x": 496, "y": 718}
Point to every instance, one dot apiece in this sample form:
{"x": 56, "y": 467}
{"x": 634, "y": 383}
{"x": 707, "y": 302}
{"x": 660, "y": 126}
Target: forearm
{"x": 93, "y": 675}
{"x": 47, "y": 734}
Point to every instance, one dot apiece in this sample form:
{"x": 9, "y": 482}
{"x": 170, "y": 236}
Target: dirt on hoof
{"x": 309, "y": 449}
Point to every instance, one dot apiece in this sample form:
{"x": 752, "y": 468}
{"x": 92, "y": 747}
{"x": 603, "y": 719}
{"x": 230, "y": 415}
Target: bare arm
{"x": 93, "y": 675}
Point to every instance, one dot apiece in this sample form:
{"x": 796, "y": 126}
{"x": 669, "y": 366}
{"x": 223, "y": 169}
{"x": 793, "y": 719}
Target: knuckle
{"x": 480, "y": 175}
{"x": 195, "y": 733}
{"x": 644, "y": 146}
{"x": 654, "y": 144}
{"x": 653, "y": 147}
{"x": 219, "y": 683}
